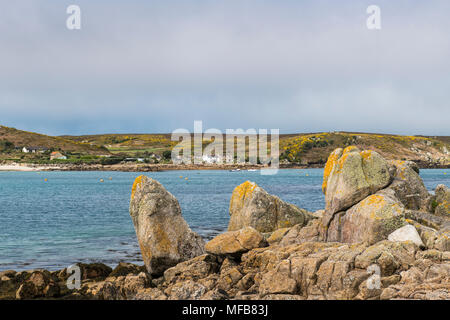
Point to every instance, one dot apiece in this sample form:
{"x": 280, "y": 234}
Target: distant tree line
{"x": 6, "y": 146}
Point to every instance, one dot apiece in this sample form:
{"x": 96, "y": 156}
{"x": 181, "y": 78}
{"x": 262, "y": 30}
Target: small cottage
{"x": 56, "y": 155}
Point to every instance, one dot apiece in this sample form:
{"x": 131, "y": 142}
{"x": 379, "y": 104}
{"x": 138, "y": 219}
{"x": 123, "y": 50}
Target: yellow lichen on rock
{"x": 251, "y": 205}
{"x": 366, "y": 154}
{"x": 373, "y": 200}
{"x": 247, "y": 189}
{"x": 352, "y": 175}
{"x": 241, "y": 192}
{"x": 340, "y": 162}
{"x": 136, "y": 183}
{"x": 371, "y": 220}
{"x": 332, "y": 159}
{"x": 351, "y": 149}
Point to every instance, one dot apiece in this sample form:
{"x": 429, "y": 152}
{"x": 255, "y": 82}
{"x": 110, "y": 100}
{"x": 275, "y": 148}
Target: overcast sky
{"x": 155, "y": 66}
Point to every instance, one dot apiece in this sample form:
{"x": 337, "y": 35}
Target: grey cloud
{"x": 158, "y": 65}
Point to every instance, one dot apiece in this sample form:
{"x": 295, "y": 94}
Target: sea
{"x": 52, "y": 220}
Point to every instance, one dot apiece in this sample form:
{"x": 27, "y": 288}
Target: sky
{"x": 156, "y": 66}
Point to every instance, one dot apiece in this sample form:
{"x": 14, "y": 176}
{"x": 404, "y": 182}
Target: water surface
{"x": 73, "y": 217}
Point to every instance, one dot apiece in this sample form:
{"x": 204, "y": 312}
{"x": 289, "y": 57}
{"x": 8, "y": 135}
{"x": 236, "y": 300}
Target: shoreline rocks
{"x": 308, "y": 271}
{"x": 252, "y": 206}
{"x": 381, "y": 236}
{"x": 406, "y": 233}
{"x": 164, "y": 236}
{"x": 236, "y": 242}
{"x": 354, "y": 175}
{"x": 442, "y": 201}
{"x": 408, "y": 187}
{"x": 371, "y": 220}
{"x": 392, "y": 190}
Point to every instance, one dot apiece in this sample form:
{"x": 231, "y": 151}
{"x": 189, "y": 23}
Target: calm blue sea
{"x": 73, "y": 217}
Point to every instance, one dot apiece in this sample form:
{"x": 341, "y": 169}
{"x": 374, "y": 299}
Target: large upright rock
{"x": 369, "y": 221}
{"x": 408, "y": 185}
{"x": 351, "y": 175}
{"x": 164, "y": 236}
{"x": 354, "y": 175}
{"x": 442, "y": 194}
{"x": 252, "y": 206}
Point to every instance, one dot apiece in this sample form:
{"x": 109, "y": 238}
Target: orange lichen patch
{"x": 241, "y": 192}
{"x": 146, "y": 252}
{"x": 284, "y": 224}
{"x": 401, "y": 173}
{"x": 162, "y": 239}
{"x": 246, "y": 189}
{"x": 350, "y": 149}
{"x": 398, "y": 163}
{"x": 445, "y": 205}
{"x": 379, "y": 208}
{"x": 376, "y": 201}
{"x": 340, "y": 162}
{"x": 366, "y": 154}
{"x": 332, "y": 159}
{"x": 401, "y": 168}
{"x": 136, "y": 183}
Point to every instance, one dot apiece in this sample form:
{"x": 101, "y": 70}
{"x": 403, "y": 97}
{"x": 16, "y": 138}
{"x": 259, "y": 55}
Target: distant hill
{"x": 445, "y": 139}
{"x": 30, "y": 139}
{"x": 130, "y": 144}
{"x": 311, "y": 149}
{"x": 315, "y": 148}
{"x": 306, "y": 149}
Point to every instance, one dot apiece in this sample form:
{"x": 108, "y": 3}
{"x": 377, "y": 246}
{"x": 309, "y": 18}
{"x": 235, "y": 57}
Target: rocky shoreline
{"x": 134, "y": 167}
{"x": 381, "y": 235}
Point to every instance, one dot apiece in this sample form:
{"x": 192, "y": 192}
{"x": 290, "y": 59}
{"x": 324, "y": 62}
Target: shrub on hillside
{"x": 110, "y": 161}
{"x": 167, "y": 154}
{"x": 6, "y": 145}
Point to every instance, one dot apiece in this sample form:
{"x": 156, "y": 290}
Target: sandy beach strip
{"x": 19, "y": 168}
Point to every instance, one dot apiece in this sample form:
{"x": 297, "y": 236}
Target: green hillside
{"x": 305, "y": 149}
{"x": 309, "y": 149}
{"x": 13, "y": 140}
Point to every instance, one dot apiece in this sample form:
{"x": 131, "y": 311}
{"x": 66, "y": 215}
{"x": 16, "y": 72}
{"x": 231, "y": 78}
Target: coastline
{"x": 158, "y": 167}
{"x": 21, "y": 168}
{"x": 292, "y": 257}
{"x": 133, "y": 167}
{"x": 139, "y": 167}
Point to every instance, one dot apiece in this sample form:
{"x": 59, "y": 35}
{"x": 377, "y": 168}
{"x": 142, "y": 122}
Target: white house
{"x": 211, "y": 159}
{"x": 34, "y": 149}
